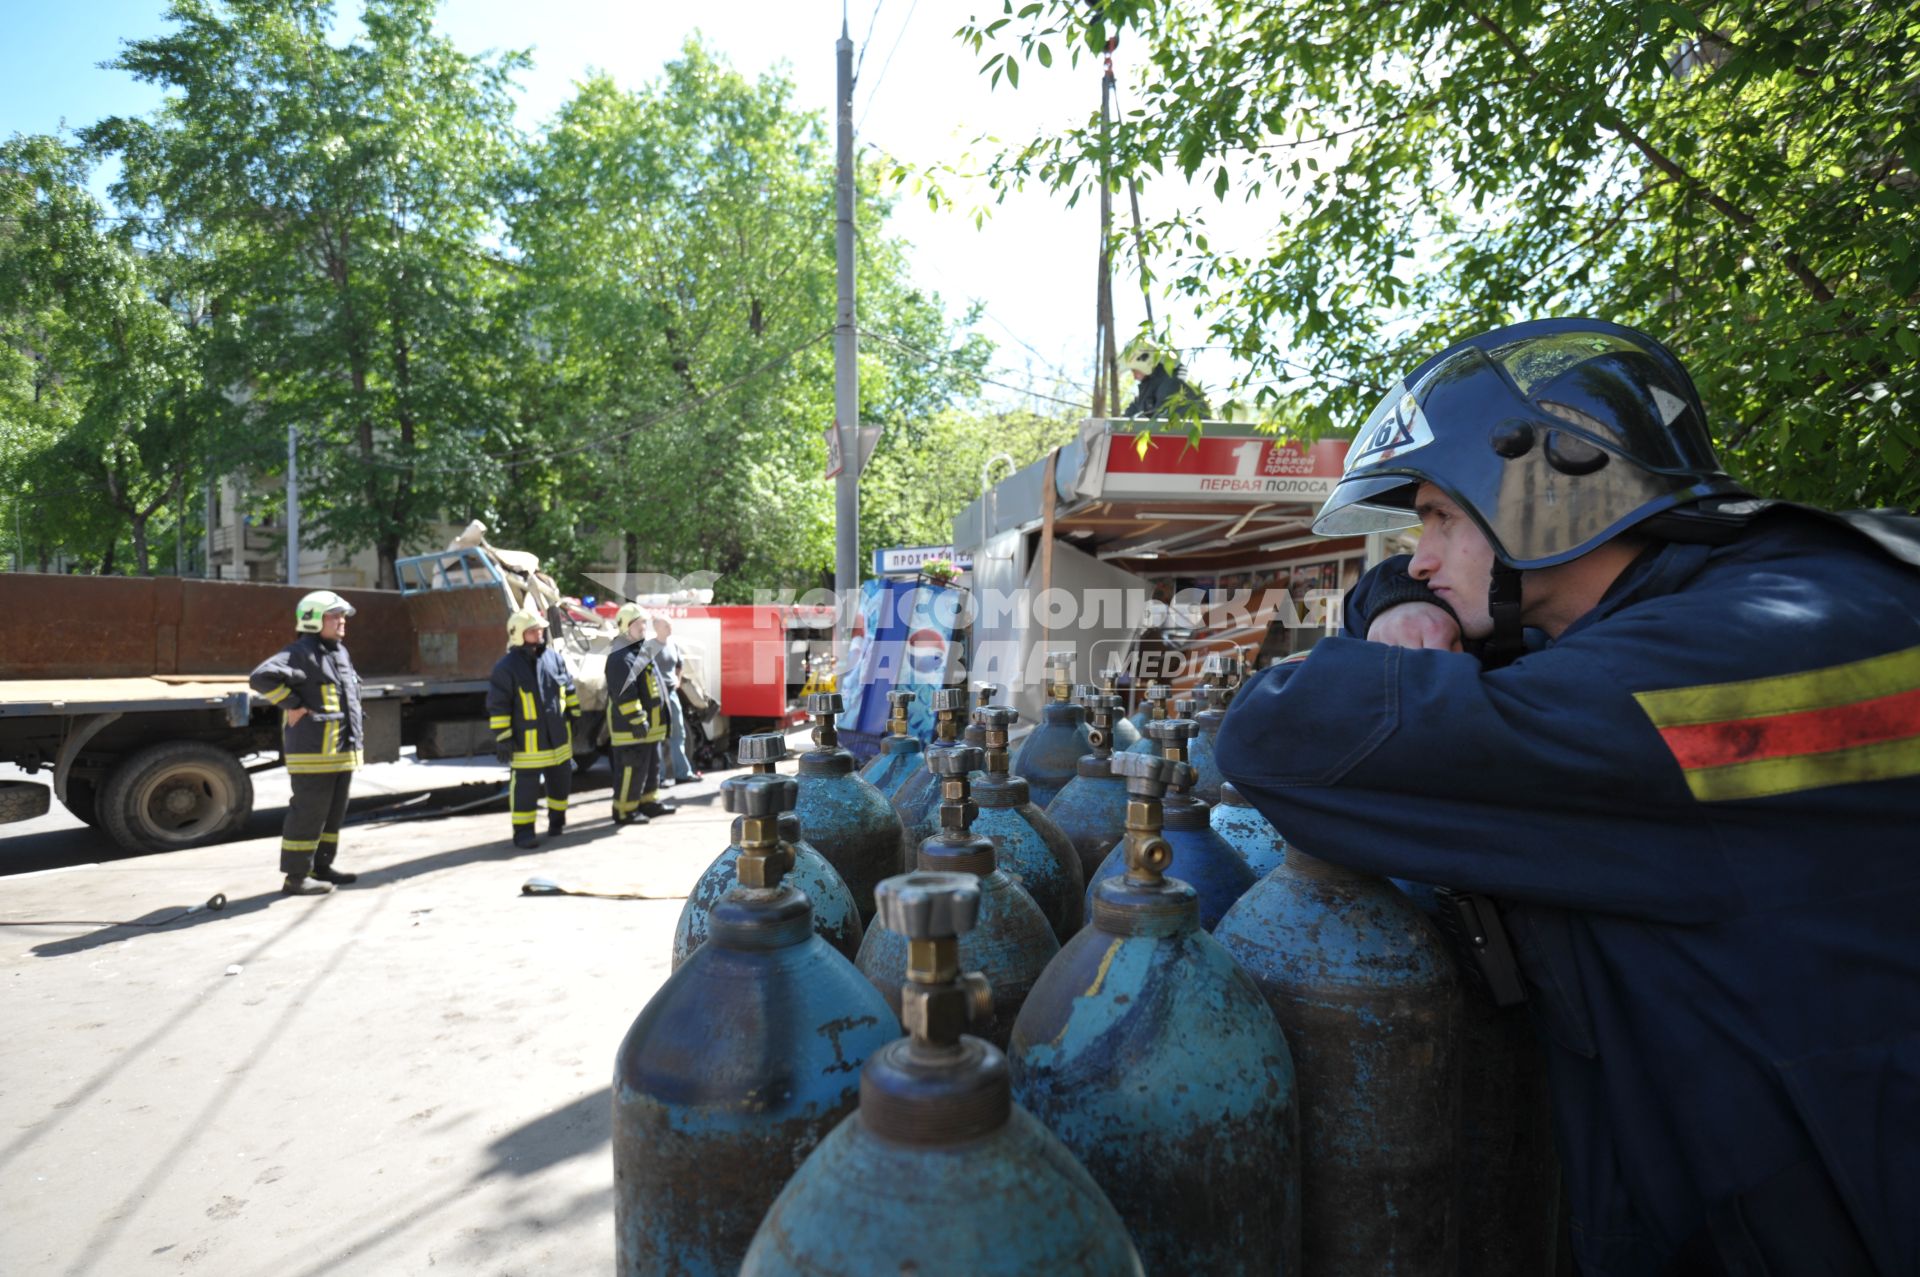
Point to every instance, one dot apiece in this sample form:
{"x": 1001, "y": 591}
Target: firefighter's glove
{"x": 503, "y": 750}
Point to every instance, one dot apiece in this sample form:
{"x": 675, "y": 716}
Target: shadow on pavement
{"x": 575, "y": 1130}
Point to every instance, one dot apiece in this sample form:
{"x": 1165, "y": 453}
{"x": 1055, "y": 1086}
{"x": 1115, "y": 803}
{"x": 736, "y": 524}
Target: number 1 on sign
{"x": 1246, "y": 463}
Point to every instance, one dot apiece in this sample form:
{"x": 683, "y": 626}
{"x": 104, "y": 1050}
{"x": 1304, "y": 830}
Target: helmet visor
{"x": 1376, "y": 492}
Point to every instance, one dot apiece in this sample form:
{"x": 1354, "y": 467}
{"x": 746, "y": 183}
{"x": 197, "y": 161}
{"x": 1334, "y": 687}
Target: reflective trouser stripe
{"x": 527, "y": 784}
{"x": 637, "y": 766}
{"x": 314, "y": 816}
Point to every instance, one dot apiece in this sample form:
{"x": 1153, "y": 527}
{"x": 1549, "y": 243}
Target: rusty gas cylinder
{"x": 1012, "y": 942}
{"x": 1368, "y": 1000}
{"x": 1247, "y": 831}
{"x": 851, "y": 822}
{"x": 836, "y": 918}
{"x": 739, "y": 1064}
{"x": 1143, "y": 1000}
{"x": 940, "y": 1173}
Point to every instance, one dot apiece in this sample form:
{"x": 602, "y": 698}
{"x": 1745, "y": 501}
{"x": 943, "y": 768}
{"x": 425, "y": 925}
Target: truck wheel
{"x": 22, "y": 800}
{"x": 174, "y": 795}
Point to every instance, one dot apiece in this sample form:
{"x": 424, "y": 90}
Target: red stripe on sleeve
{"x": 1814, "y": 731}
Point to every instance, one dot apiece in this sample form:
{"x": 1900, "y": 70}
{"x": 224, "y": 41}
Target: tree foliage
{"x": 679, "y": 278}
{"x": 341, "y": 196}
{"x": 1738, "y": 179}
{"x": 104, "y": 414}
{"x": 607, "y": 338}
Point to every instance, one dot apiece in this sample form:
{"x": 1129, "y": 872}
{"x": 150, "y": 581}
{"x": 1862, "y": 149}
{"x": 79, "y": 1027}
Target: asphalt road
{"x": 407, "y": 1076}
{"x": 58, "y": 839}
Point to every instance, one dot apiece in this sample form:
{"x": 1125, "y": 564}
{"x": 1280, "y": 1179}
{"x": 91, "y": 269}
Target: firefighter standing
{"x": 312, "y": 681}
{"x": 532, "y": 705}
{"x": 636, "y": 720}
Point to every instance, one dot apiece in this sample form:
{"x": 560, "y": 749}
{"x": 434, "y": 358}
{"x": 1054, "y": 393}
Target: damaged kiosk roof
{"x": 1231, "y": 494}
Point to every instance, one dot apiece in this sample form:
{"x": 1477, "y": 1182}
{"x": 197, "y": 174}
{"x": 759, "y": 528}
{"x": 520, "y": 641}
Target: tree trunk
{"x": 137, "y": 526}
{"x": 388, "y": 549}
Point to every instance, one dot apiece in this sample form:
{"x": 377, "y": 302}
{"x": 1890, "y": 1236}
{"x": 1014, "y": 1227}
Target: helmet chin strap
{"x": 1507, "y": 642}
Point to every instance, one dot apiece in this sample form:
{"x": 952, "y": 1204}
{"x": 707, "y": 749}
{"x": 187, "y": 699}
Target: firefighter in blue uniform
{"x": 636, "y": 719}
{"x": 533, "y": 705}
{"x": 313, "y": 683}
{"x": 1695, "y": 798}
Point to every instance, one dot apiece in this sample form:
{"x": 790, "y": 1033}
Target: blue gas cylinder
{"x": 836, "y": 918}
{"x": 849, "y": 821}
{"x": 1032, "y": 849}
{"x": 1145, "y": 1006}
{"x": 1153, "y": 711}
{"x": 1046, "y": 758}
{"x": 1091, "y": 810}
{"x": 1247, "y": 831}
{"x": 1012, "y": 942}
{"x": 1201, "y": 858}
{"x": 1507, "y": 1196}
{"x": 939, "y": 1173}
{"x": 901, "y": 753}
{"x": 1207, "y": 777}
{"x": 1123, "y": 732}
{"x": 1368, "y": 1000}
{"x": 917, "y": 801}
{"x": 738, "y": 1065}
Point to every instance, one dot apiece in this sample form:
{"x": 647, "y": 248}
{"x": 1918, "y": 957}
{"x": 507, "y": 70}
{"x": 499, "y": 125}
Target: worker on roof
{"x": 533, "y": 705}
{"x": 312, "y": 682}
{"x": 1163, "y": 386}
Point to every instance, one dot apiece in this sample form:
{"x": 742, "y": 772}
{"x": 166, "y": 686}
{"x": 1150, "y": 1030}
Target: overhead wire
{"x": 950, "y": 362}
{"x": 869, "y": 40}
{"x": 887, "y": 62}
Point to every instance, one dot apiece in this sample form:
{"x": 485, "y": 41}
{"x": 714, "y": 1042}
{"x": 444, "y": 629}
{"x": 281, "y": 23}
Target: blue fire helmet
{"x": 1553, "y": 435}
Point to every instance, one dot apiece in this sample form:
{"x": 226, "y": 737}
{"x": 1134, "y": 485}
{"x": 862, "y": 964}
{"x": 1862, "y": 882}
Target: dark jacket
{"x": 1701, "y": 804}
{"x": 636, "y": 705}
{"x": 532, "y": 702}
{"x": 1162, "y": 392}
{"x": 317, "y": 675}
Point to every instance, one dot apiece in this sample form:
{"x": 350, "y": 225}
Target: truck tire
{"x": 23, "y": 800}
{"x": 174, "y": 795}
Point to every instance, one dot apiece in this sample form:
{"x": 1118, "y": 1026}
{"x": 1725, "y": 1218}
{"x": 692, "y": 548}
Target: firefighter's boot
{"x": 301, "y": 885}
{"x": 323, "y": 870}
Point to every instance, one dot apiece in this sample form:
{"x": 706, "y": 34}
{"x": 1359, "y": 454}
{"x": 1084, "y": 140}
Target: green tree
{"x": 1737, "y": 178}
{"x": 343, "y": 199}
{"x": 925, "y": 471}
{"x": 677, "y": 281}
{"x": 104, "y": 418}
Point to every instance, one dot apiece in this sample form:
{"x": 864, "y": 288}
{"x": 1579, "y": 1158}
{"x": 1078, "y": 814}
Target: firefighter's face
{"x": 333, "y": 625}
{"x": 1454, "y": 558}
{"x": 637, "y": 628}
{"x": 534, "y": 636}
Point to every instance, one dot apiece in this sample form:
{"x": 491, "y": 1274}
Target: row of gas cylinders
{"x": 1142, "y": 1033}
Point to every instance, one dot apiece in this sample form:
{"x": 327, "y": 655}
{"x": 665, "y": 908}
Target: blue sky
{"x": 919, "y": 98}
